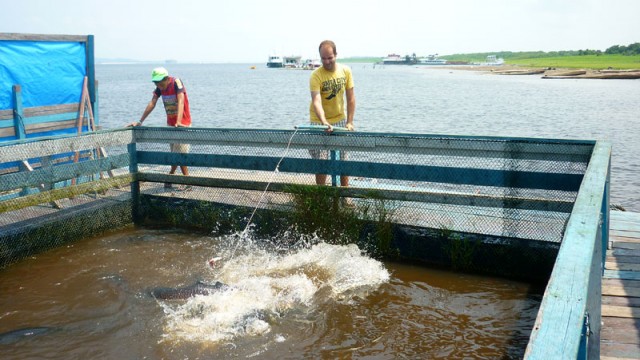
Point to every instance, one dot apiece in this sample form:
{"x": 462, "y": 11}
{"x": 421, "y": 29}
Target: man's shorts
{"x": 180, "y": 148}
{"x": 324, "y": 154}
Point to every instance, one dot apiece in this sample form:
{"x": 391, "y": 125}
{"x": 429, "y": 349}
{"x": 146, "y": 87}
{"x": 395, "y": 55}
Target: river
{"x": 401, "y": 99}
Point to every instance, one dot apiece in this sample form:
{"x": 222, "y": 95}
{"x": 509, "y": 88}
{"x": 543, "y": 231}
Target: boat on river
{"x": 632, "y": 75}
{"x": 432, "y": 60}
{"x": 492, "y": 60}
{"x": 275, "y": 61}
{"x": 311, "y": 64}
{"x": 394, "y": 59}
{"x": 292, "y": 62}
{"x": 520, "y": 72}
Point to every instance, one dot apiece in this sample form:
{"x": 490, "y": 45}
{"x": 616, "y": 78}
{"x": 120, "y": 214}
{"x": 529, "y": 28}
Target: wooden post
{"x": 334, "y": 177}
{"x": 91, "y": 74}
{"x": 135, "y": 184}
{"x": 80, "y": 121}
{"x": 91, "y": 124}
{"x": 18, "y": 113}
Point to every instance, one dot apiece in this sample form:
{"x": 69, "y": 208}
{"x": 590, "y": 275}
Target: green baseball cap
{"x": 158, "y": 74}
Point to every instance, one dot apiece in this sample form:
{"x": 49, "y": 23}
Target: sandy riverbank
{"x": 550, "y": 72}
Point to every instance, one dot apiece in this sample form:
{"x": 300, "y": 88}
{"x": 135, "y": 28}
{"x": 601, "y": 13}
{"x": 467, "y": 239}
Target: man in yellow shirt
{"x": 328, "y": 85}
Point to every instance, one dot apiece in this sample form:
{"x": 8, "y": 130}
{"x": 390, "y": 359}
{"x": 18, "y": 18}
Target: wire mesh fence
{"x": 502, "y": 187}
{"x": 499, "y": 187}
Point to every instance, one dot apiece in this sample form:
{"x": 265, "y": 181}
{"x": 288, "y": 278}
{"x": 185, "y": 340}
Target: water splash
{"x": 266, "y": 287}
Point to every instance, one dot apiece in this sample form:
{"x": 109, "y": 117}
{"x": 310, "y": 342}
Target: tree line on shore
{"x": 631, "y": 49}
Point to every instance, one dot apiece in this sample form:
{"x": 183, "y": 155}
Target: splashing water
{"x": 264, "y": 288}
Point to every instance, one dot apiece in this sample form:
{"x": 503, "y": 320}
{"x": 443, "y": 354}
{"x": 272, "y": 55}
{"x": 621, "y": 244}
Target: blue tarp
{"x": 49, "y": 73}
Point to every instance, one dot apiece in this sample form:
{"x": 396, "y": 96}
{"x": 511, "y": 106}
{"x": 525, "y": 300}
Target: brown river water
{"x": 311, "y": 301}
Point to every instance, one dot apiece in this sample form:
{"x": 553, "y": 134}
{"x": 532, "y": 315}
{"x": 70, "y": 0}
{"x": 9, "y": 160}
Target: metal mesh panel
{"x": 485, "y": 154}
{"x": 510, "y": 188}
{"x": 53, "y": 191}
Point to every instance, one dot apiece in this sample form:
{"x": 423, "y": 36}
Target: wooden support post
{"x": 92, "y": 123}
{"x": 80, "y": 121}
{"x": 42, "y": 187}
{"x": 18, "y": 113}
{"x": 135, "y": 184}
{"x": 333, "y": 157}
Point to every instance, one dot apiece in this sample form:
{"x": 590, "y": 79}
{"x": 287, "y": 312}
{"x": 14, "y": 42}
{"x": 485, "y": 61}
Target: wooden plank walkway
{"x": 620, "y": 333}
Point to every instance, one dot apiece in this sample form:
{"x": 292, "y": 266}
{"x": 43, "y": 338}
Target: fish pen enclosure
{"x": 533, "y": 209}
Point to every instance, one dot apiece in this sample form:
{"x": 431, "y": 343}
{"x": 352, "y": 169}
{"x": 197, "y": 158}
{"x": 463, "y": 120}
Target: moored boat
{"x": 432, "y": 60}
{"x": 493, "y": 60}
{"x": 292, "y": 62}
{"x": 520, "y": 72}
{"x": 393, "y": 59}
{"x": 311, "y": 64}
{"x": 599, "y": 75}
{"x": 275, "y": 61}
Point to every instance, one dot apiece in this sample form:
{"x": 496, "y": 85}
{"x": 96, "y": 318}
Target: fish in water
{"x": 199, "y": 288}
{"x": 14, "y": 336}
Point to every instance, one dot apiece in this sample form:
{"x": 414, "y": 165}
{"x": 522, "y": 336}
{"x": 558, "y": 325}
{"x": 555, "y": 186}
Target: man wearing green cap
{"x": 176, "y": 104}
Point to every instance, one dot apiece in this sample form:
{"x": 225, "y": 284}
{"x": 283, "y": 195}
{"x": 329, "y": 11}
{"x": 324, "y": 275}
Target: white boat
{"x": 432, "y": 60}
{"x": 493, "y": 60}
{"x": 275, "y": 61}
{"x": 311, "y": 64}
{"x": 292, "y": 62}
{"x": 394, "y": 59}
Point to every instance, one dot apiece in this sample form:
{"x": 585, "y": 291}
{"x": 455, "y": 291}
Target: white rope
{"x": 273, "y": 175}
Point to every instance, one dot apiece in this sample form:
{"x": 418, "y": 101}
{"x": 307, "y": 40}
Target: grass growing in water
{"x": 459, "y": 249}
{"x": 320, "y": 210}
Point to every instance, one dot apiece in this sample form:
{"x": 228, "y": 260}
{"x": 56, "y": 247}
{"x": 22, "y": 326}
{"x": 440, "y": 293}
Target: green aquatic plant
{"x": 378, "y": 212}
{"x": 320, "y": 210}
{"x": 460, "y": 250}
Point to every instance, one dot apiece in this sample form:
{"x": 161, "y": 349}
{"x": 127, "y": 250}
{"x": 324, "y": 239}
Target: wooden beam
{"x": 626, "y": 245}
{"x": 6, "y": 114}
{"x": 620, "y": 311}
{"x": 7, "y": 132}
{"x": 621, "y": 301}
{"x": 568, "y": 151}
{"x": 576, "y": 277}
{"x": 51, "y": 110}
{"x": 64, "y": 171}
{"x": 621, "y": 274}
{"x": 18, "y": 150}
{"x": 66, "y": 192}
{"x": 42, "y": 187}
{"x": 620, "y": 291}
{"x": 426, "y": 173}
{"x": 43, "y": 37}
{"x": 621, "y": 282}
{"x": 611, "y": 265}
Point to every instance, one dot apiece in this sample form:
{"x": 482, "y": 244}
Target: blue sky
{"x": 248, "y": 31}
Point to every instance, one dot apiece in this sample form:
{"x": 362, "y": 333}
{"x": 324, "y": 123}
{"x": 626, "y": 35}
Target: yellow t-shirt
{"x": 331, "y": 86}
